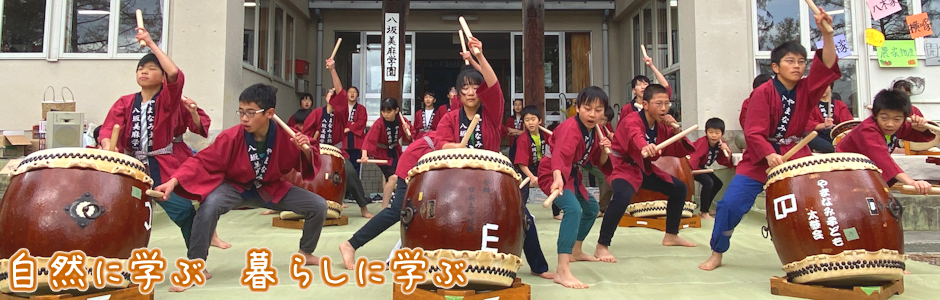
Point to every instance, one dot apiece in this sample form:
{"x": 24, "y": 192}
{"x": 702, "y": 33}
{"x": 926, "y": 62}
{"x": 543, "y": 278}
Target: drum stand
{"x": 908, "y": 151}
{"x": 518, "y": 291}
{"x": 299, "y": 224}
{"x": 782, "y": 287}
{"x": 129, "y": 293}
{"x": 659, "y": 223}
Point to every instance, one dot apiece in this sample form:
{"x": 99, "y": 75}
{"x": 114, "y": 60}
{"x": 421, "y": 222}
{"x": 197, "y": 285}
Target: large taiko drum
{"x": 465, "y": 204}
{"x": 839, "y": 131}
{"x": 69, "y": 199}
{"x": 834, "y": 221}
{"x": 329, "y": 183}
{"x": 650, "y": 204}
{"x": 924, "y": 146}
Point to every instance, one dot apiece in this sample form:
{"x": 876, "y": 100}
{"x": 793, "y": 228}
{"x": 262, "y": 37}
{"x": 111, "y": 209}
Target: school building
{"x": 708, "y": 50}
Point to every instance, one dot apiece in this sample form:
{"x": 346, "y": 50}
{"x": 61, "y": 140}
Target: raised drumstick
{"x": 638, "y": 106}
{"x": 702, "y": 171}
{"x": 463, "y": 44}
{"x": 470, "y": 129}
{"x": 408, "y": 130}
{"x": 725, "y": 152}
{"x": 115, "y": 132}
{"x": 600, "y": 134}
{"x": 551, "y": 198}
{"x": 524, "y": 182}
{"x": 549, "y": 132}
{"x": 140, "y": 24}
{"x": 800, "y": 145}
{"x": 671, "y": 140}
{"x": 911, "y": 189}
{"x": 154, "y": 194}
{"x": 643, "y": 49}
{"x": 929, "y": 126}
{"x": 815, "y": 9}
{"x": 191, "y": 105}
{"x": 288, "y": 129}
{"x": 336, "y": 47}
{"x": 466, "y": 30}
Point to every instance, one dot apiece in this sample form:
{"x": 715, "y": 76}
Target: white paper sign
{"x": 391, "y": 47}
{"x": 842, "y": 46}
{"x": 932, "y": 51}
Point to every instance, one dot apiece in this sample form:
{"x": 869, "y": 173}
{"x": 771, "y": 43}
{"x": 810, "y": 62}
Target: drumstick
{"x": 407, "y": 131}
{"x": 524, "y": 182}
{"x": 473, "y": 126}
{"x": 643, "y": 48}
{"x": 154, "y": 194}
{"x": 336, "y": 47}
{"x": 800, "y": 145}
{"x": 191, "y": 105}
{"x": 463, "y": 44}
{"x": 702, "y": 171}
{"x": 140, "y": 23}
{"x": 601, "y": 133}
{"x": 671, "y": 140}
{"x": 638, "y": 106}
{"x": 815, "y": 9}
{"x": 289, "y": 130}
{"x": 549, "y": 132}
{"x": 374, "y": 161}
{"x": 551, "y": 198}
{"x": 929, "y": 126}
{"x": 114, "y": 136}
{"x": 725, "y": 152}
{"x": 911, "y": 189}
{"x": 466, "y": 30}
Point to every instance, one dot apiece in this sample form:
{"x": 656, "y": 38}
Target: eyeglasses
{"x": 801, "y": 62}
{"x": 661, "y": 104}
{"x": 249, "y": 114}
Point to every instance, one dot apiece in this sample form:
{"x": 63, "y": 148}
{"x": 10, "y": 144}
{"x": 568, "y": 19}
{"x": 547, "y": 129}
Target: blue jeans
{"x": 738, "y": 200}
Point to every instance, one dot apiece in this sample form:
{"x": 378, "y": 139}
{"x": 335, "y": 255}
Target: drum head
{"x": 843, "y": 128}
{"x": 464, "y": 158}
{"x": 819, "y": 164}
{"x": 85, "y": 158}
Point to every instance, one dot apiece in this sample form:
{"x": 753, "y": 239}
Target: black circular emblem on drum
{"x": 85, "y": 209}
{"x": 335, "y": 178}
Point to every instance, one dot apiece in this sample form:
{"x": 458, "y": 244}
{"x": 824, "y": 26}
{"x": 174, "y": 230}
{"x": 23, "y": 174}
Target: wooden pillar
{"x": 394, "y": 18}
{"x": 533, "y": 53}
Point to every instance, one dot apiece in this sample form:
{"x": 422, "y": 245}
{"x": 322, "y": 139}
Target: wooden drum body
{"x": 839, "y": 131}
{"x": 69, "y": 199}
{"x": 465, "y": 204}
{"x": 329, "y": 183}
{"x": 650, "y": 204}
{"x": 834, "y": 221}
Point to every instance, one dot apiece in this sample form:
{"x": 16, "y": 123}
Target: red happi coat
{"x": 166, "y": 122}
{"x": 568, "y": 147}
{"x": 226, "y": 159}
{"x": 868, "y": 139}
{"x": 629, "y": 108}
{"x": 378, "y": 136}
{"x": 511, "y": 123}
{"x": 765, "y": 110}
{"x": 840, "y": 113}
{"x": 523, "y": 154}
{"x": 743, "y": 114}
{"x": 420, "y": 130}
{"x": 916, "y": 111}
{"x": 700, "y": 156}
{"x": 313, "y": 123}
{"x": 491, "y": 114}
{"x": 626, "y": 155}
{"x": 418, "y": 148}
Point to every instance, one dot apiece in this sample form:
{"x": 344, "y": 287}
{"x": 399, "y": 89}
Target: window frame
{"x": 46, "y": 39}
{"x": 113, "y": 26}
{"x": 562, "y": 69}
{"x": 269, "y": 58}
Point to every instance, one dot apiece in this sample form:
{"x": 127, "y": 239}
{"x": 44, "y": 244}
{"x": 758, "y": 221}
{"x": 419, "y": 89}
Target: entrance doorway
{"x": 438, "y": 63}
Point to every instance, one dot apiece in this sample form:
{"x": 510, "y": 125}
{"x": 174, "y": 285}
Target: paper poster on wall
{"x": 932, "y": 51}
{"x": 883, "y": 8}
{"x": 898, "y": 54}
{"x": 919, "y": 25}
{"x": 842, "y": 46}
{"x": 874, "y": 37}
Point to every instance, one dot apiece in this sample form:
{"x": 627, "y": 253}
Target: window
{"x": 779, "y": 21}
{"x": 567, "y": 69}
{"x": 895, "y": 26}
{"x": 269, "y": 39}
{"x": 109, "y": 26}
{"x": 656, "y": 27}
{"x": 22, "y": 26}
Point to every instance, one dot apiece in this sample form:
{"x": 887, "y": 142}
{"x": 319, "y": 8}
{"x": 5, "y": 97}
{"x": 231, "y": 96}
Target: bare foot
{"x": 675, "y": 240}
{"x": 558, "y": 217}
{"x": 311, "y": 259}
{"x": 564, "y": 276}
{"x": 603, "y": 253}
{"x": 176, "y": 289}
{"x": 269, "y": 212}
{"x": 581, "y": 256}
{"x": 349, "y": 255}
{"x": 218, "y": 242}
{"x": 906, "y": 272}
{"x": 713, "y": 262}
{"x": 345, "y": 205}
{"x": 365, "y": 212}
{"x": 546, "y": 275}
{"x": 706, "y": 216}
{"x": 600, "y": 214}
